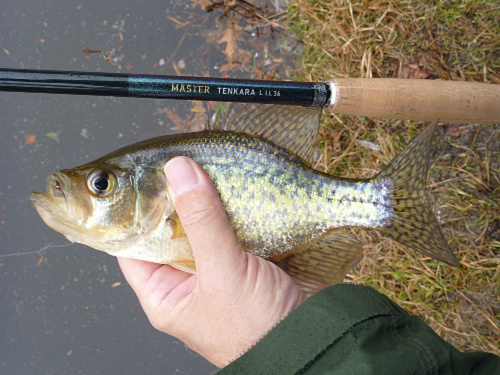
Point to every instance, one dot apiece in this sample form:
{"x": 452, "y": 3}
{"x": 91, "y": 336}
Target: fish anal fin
{"x": 322, "y": 262}
{"x": 291, "y": 127}
{"x": 184, "y": 265}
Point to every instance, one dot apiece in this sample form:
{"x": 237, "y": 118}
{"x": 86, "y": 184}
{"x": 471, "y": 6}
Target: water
{"x": 67, "y": 309}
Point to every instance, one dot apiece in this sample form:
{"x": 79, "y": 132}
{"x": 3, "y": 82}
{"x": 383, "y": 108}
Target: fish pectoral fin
{"x": 184, "y": 265}
{"x": 176, "y": 225}
{"x": 291, "y": 127}
{"x": 323, "y": 262}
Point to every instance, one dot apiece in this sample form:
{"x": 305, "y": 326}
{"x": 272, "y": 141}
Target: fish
{"x": 280, "y": 208}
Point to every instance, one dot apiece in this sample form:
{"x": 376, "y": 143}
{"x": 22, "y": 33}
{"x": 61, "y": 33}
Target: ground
{"x": 452, "y": 40}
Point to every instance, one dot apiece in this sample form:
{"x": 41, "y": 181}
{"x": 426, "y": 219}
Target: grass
{"x": 454, "y": 40}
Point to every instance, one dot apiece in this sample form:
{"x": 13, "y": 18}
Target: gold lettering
{"x": 195, "y": 88}
{"x": 182, "y": 88}
{"x": 188, "y": 87}
{"x": 175, "y": 87}
{"x": 207, "y": 90}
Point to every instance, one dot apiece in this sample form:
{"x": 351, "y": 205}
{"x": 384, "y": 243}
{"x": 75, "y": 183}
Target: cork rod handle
{"x": 414, "y": 99}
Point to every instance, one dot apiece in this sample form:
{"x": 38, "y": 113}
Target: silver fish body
{"x": 279, "y": 207}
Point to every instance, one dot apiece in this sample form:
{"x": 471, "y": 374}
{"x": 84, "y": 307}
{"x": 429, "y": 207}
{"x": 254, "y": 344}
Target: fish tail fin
{"x": 413, "y": 224}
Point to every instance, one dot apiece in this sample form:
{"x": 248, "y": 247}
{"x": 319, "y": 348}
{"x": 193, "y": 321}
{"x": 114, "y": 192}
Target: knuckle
{"x": 161, "y": 322}
{"x": 198, "y": 215}
{"x": 157, "y": 324}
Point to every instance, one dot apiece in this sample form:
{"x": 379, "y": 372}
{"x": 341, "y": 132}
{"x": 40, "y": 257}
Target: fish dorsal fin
{"x": 293, "y": 128}
{"x": 323, "y": 262}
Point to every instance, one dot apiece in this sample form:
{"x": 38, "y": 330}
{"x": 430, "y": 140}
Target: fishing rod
{"x": 405, "y": 99}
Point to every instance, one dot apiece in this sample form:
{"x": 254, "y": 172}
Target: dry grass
{"x": 458, "y": 40}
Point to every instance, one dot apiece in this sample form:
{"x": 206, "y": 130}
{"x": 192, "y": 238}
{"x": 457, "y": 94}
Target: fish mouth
{"x": 53, "y": 206}
{"x": 56, "y": 184}
{"x": 54, "y": 212}
{"x": 48, "y": 205}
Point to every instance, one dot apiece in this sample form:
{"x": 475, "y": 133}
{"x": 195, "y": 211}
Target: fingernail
{"x": 181, "y": 175}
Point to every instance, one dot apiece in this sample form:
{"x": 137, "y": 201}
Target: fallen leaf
{"x": 336, "y": 140}
{"x": 199, "y": 118}
{"x": 173, "y": 117}
{"x": 246, "y": 55}
{"x": 230, "y": 37}
{"x": 454, "y": 129}
{"x": 84, "y": 133}
{"x": 6, "y": 51}
{"x": 226, "y": 67}
{"x": 53, "y": 135}
{"x": 412, "y": 70}
{"x": 114, "y": 285}
{"x": 30, "y": 138}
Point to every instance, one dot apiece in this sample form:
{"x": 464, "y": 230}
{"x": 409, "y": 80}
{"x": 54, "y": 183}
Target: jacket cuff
{"x": 330, "y": 313}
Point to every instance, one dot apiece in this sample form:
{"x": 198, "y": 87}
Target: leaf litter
{"x": 30, "y": 138}
{"x": 53, "y": 135}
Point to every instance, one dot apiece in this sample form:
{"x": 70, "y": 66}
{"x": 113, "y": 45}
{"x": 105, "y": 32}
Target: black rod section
{"x": 165, "y": 87}
{"x": 57, "y": 82}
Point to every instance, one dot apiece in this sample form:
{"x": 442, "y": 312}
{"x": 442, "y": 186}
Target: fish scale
{"x": 275, "y": 203}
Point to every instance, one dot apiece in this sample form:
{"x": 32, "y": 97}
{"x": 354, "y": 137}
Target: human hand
{"x": 234, "y": 299}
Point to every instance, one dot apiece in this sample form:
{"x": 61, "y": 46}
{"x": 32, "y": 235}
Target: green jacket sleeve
{"x": 353, "y": 329}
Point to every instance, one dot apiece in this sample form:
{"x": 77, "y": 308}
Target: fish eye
{"x": 101, "y": 183}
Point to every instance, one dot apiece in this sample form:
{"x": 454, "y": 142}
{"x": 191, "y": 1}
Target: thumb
{"x": 204, "y": 219}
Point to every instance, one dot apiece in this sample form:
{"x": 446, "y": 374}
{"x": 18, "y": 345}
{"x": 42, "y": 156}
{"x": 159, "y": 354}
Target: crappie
{"x": 279, "y": 207}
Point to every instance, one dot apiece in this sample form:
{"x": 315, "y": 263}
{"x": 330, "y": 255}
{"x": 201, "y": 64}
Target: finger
{"x": 137, "y": 272}
{"x": 203, "y": 217}
{"x": 153, "y": 283}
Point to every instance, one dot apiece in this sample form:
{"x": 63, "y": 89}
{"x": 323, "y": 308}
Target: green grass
{"x": 456, "y": 40}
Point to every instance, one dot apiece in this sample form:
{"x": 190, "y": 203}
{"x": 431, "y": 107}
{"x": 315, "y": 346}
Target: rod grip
{"x": 415, "y": 99}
